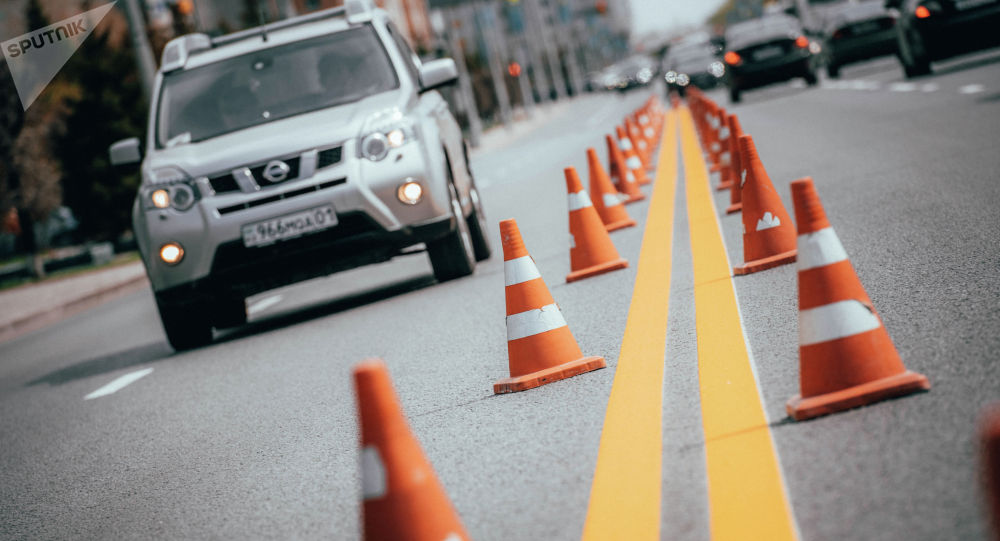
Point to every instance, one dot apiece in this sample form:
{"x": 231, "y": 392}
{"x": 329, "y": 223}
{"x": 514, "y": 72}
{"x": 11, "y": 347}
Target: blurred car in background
{"x": 767, "y": 50}
{"x": 634, "y": 71}
{"x": 935, "y": 30}
{"x": 692, "y": 63}
{"x": 858, "y": 32}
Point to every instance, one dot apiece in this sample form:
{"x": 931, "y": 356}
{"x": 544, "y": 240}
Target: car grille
{"x": 281, "y": 196}
{"x": 224, "y": 183}
{"x": 328, "y": 157}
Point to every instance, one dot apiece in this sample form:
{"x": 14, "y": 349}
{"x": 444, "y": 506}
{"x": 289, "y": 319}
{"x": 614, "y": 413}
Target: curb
{"x": 24, "y": 325}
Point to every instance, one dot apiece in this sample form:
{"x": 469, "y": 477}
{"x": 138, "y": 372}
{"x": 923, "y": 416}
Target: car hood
{"x": 287, "y": 136}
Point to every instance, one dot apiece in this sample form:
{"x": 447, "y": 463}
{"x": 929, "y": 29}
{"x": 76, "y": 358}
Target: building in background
{"x": 411, "y": 16}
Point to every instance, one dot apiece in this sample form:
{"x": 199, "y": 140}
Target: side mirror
{"x": 126, "y": 152}
{"x": 438, "y": 73}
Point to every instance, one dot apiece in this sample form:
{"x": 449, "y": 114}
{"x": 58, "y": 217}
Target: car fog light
{"x": 409, "y": 192}
{"x": 375, "y": 147}
{"x": 171, "y": 253}
{"x": 160, "y": 198}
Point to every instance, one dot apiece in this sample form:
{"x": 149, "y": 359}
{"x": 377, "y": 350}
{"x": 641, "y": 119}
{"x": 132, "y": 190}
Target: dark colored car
{"x": 634, "y": 71}
{"x": 767, "y": 50}
{"x": 934, "y": 30}
{"x": 693, "y": 63}
{"x": 858, "y": 32}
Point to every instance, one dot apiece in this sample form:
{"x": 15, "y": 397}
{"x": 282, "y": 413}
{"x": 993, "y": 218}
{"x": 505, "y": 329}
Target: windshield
{"x": 280, "y": 82}
{"x": 694, "y": 54}
{"x": 747, "y": 31}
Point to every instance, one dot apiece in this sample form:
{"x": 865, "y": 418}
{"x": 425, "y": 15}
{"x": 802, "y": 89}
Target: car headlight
{"x": 644, "y": 75}
{"x": 384, "y": 131}
{"x": 717, "y": 69}
{"x": 671, "y": 76}
{"x": 683, "y": 79}
{"x": 169, "y": 187}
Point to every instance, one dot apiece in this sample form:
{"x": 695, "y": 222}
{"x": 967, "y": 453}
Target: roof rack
{"x": 178, "y": 50}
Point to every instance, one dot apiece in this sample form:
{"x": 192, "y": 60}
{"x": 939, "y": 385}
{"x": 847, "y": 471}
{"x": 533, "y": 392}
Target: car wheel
{"x": 453, "y": 255}
{"x": 186, "y": 325}
{"x": 477, "y": 226}
{"x": 913, "y": 57}
{"x": 833, "y": 71}
{"x": 734, "y": 95}
{"x": 810, "y": 77}
{"x": 229, "y": 312}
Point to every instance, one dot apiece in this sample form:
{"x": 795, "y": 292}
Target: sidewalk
{"x": 30, "y": 307}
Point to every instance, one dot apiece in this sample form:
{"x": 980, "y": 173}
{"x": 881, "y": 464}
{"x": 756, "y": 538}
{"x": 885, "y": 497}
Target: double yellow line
{"x": 746, "y": 495}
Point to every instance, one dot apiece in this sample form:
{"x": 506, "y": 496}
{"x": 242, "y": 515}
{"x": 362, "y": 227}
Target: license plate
{"x": 969, "y": 4}
{"x": 288, "y": 226}
{"x": 767, "y": 52}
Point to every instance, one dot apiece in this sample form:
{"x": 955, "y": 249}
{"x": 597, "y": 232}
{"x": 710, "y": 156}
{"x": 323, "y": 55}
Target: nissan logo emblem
{"x": 276, "y": 171}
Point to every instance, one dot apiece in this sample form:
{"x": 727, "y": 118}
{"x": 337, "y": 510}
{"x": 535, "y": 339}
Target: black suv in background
{"x": 934, "y": 30}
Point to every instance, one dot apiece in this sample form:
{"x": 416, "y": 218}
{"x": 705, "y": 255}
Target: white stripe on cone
{"x": 625, "y": 144}
{"x": 534, "y": 322}
{"x": 629, "y": 177}
{"x": 836, "y": 320}
{"x": 724, "y": 133}
{"x": 819, "y": 249}
{"x": 649, "y": 132}
{"x": 610, "y": 199}
{"x": 373, "y": 478}
{"x": 579, "y": 200}
{"x": 633, "y": 162}
{"x": 520, "y": 270}
{"x": 724, "y": 158}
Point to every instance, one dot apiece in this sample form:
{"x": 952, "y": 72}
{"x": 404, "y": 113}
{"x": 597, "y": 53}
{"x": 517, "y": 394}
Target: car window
{"x": 271, "y": 84}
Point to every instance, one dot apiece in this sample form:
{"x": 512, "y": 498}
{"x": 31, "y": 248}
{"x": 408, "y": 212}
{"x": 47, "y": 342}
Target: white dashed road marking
{"x": 263, "y": 304}
{"x": 929, "y": 87}
{"x": 971, "y": 89}
{"x": 119, "y": 383}
{"x": 902, "y": 87}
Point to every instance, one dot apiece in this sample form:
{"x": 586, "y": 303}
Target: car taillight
{"x": 732, "y": 58}
{"x": 922, "y": 12}
{"x": 802, "y": 42}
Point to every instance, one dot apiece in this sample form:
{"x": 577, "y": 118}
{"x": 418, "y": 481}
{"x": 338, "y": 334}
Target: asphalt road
{"x": 255, "y": 436}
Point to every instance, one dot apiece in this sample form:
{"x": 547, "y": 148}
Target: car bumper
{"x": 750, "y": 75}
{"x": 372, "y": 223}
{"x": 960, "y": 33}
{"x": 859, "y": 48}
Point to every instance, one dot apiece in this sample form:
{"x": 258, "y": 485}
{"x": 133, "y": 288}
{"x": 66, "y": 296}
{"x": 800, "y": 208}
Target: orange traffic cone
{"x": 736, "y": 166}
{"x": 591, "y": 252}
{"x": 632, "y": 161}
{"x": 604, "y": 196}
{"x": 624, "y": 178}
{"x": 768, "y": 233}
{"x": 540, "y": 347}
{"x": 639, "y": 146}
{"x": 403, "y": 498}
{"x": 726, "y": 179}
{"x": 846, "y": 358}
{"x": 989, "y": 435}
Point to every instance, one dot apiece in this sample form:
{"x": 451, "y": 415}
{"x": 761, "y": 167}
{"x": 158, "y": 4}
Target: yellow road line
{"x": 625, "y": 495}
{"x": 745, "y": 489}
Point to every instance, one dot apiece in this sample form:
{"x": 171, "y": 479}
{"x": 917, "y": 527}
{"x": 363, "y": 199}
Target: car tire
{"x": 187, "y": 325}
{"x": 918, "y": 68}
{"x": 453, "y": 256}
{"x": 913, "y": 57}
{"x": 810, "y": 77}
{"x": 734, "y": 95}
{"x": 229, "y": 312}
{"x": 833, "y": 71}
{"x": 477, "y": 226}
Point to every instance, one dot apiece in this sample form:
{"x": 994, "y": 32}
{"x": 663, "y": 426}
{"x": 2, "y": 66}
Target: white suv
{"x": 291, "y": 151}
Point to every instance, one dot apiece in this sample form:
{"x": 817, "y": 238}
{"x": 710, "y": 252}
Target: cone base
{"x": 594, "y": 270}
{"x": 906, "y": 383}
{"x": 548, "y": 375}
{"x": 765, "y": 263}
{"x": 734, "y": 208}
{"x": 723, "y": 186}
{"x": 620, "y": 224}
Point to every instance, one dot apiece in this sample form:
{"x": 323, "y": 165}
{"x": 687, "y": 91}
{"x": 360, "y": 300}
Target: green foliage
{"x": 109, "y": 106}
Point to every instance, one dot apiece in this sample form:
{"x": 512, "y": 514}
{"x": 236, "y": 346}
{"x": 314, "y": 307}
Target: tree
{"x": 108, "y": 106}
